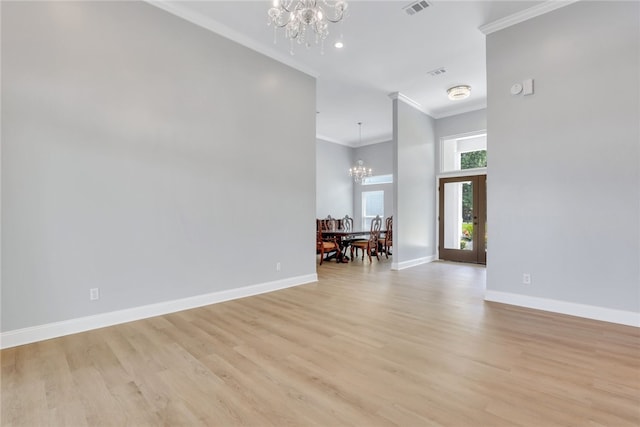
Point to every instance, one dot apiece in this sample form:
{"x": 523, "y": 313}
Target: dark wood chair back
{"x": 371, "y": 245}
{"x": 347, "y": 223}
{"x": 388, "y": 236}
{"x": 376, "y": 226}
{"x": 327, "y": 224}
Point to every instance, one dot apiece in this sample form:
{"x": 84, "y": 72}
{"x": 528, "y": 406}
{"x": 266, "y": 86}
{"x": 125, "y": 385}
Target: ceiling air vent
{"x": 437, "y": 72}
{"x": 416, "y": 7}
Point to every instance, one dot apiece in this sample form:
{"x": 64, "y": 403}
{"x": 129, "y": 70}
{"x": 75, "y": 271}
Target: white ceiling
{"x": 386, "y": 51}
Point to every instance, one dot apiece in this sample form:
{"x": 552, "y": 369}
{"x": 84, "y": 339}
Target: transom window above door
{"x": 377, "y": 179}
{"x": 463, "y": 152}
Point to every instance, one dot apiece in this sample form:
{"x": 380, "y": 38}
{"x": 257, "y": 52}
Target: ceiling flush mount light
{"x": 359, "y": 171}
{"x": 299, "y": 18}
{"x": 339, "y": 44}
{"x": 459, "y": 92}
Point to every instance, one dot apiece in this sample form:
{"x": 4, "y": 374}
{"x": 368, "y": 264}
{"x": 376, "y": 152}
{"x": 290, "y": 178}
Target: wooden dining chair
{"x": 370, "y": 245}
{"x": 329, "y": 224}
{"x": 388, "y": 236}
{"x": 325, "y": 244}
{"x": 347, "y": 225}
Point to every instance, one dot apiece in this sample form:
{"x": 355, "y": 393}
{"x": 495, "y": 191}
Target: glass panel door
{"x": 481, "y": 219}
{"x": 458, "y": 199}
{"x": 463, "y": 219}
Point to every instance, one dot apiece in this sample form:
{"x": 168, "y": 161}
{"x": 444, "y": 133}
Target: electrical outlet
{"x": 526, "y": 278}
{"x": 278, "y": 266}
{"x": 94, "y": 294}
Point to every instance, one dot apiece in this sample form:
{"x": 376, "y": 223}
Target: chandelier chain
{"x": 359, "y": 172}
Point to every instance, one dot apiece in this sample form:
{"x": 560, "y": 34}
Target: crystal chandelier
{"x": 298, "y": 16}
{"x": 360, "y": 171}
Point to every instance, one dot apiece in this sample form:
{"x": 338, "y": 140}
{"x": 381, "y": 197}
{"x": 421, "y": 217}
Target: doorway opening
{"x": 463, "y": 219}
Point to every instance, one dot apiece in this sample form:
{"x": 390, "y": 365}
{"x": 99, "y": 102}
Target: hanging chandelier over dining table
{"x": 360, "y": 171}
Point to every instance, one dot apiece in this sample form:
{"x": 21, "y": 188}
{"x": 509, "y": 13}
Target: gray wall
{"x": 414, "y": 185}
{"x": 145, "y": 156}
{"x": 334, "y": 186}
{"x": 461, "y": 123}
{"x": 564, "y": 167}
{"x": 378, "y": 157}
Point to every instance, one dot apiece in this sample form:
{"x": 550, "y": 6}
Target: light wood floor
{"x": 365, "y": 346}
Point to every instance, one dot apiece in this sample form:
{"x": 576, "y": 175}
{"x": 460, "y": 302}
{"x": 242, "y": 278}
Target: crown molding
{"x": 174, "y": 8}
{"x": 448, "y": 113}
{"x": 524, "y": 15}
{"x": 332, "y": 140}
{"x": 374, "y": 141}
{"x": 401, "y": 97}
{"x": 461, "y": 110}
{"x": 378, "y": 140}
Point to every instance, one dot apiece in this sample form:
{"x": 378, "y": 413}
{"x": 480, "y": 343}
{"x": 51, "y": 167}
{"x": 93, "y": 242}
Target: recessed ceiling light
{"x": 339, "y": 44}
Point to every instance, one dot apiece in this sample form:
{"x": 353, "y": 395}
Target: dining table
{"x": 344, "y": 236}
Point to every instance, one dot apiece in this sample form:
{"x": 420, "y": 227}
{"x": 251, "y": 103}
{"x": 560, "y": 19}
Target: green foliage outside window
{"x": 470, "y": 160}
{"x": 473, "y": 159}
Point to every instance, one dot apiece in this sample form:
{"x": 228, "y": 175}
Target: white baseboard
{"x": 628, "y": 318}
{"x": 58, "y": 329}
{"x": 412, "y": 263}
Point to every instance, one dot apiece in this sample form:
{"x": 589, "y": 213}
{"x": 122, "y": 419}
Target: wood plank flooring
{"x": 365, "y": 346}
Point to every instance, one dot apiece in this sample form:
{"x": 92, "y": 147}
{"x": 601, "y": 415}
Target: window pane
{"x": 372, "y": 205}
{"x": 377, "y": 179}
{"x": 466, "y": 152}
{"x": 458, "y": 210}
{"x": 473, "y": 159}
